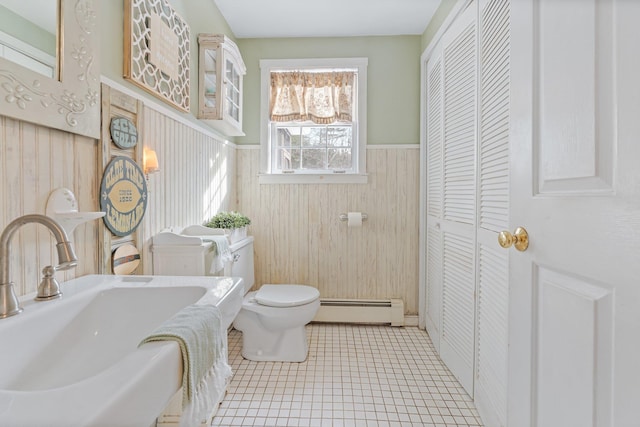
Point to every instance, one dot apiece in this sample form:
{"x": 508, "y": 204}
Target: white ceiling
{"x": 326, "y": 18}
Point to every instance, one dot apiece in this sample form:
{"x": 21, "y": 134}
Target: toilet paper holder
{"x": 344, "y": 217}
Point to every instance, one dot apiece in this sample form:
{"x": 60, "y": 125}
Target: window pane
{"x": 314, "y": 158}
{"x": 210, "y": 83}
{"x": 339, "y": 158}
{"x": 323, "y": 148}
{"x": 210, "y": 60}
{"x": 314, "y": 136}
{"x": 288, "y": 159}
{"x": 339, "y": 136}
{"x": 229, "y": 70}
{"x": 288, "y": 136}
{"x": 236, "y": 79}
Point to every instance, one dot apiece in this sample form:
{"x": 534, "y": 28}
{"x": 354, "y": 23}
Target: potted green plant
{"x": 234, "y": 223}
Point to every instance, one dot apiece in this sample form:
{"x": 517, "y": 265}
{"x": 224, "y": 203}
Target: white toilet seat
{"x": 286, "y": 295}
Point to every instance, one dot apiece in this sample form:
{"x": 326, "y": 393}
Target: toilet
{"x": 272, "y": 320}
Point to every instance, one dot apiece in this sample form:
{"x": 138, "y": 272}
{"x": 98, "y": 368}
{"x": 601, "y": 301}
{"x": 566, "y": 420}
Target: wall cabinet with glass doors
{"x": 221, "y": 70}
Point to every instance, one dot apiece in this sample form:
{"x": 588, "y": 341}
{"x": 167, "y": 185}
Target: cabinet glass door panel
{"x": 210, "y": 84}
{"x": 221, "y": 69}
{"x": 229, "y": 70}
{"x": 210, "y": 60}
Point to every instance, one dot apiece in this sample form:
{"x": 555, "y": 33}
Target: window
{"x": 313, "y": 120}
{"x": 316, "y": 148}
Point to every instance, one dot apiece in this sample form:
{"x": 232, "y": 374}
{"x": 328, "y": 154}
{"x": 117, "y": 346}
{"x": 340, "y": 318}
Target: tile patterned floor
{"x": 369, "y": 376}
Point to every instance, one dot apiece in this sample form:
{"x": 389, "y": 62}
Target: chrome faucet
{"x": 9, "y": 305}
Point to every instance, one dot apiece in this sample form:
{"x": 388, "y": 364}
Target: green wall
{"x": 393, "y": 96}
{"x": 201, "y": 15}
{"x": 22, "y": 29}
{"x": 393, "y": 74}
{"x": 436, "y": 22}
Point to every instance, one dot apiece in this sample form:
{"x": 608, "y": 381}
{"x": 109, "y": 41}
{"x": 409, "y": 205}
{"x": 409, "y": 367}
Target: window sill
{"x": 303, "y": 178}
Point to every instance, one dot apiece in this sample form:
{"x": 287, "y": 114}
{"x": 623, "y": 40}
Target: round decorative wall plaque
{"x": 125, "y": 259}
{"x": 123, "y": 132}
{"x": 123, "y": 195}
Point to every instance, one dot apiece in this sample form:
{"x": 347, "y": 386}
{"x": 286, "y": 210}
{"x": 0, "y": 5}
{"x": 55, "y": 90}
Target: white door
{"x": 433, "y": 168}
{"x": 458, "y": 226}
{"x": 574, "y": 321}
{"x": 467, "y": 195}
{"x": 492, "y": 262}
{"x": 450, "y": 125}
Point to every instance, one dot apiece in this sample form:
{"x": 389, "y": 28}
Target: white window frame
{"x": 359, "y": 145}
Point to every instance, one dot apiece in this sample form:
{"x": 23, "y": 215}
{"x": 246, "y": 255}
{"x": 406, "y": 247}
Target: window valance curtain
{"x": 321, "y": 97}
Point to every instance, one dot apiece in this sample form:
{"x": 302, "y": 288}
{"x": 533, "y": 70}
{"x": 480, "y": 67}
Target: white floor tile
{"x": 370, "y": 376}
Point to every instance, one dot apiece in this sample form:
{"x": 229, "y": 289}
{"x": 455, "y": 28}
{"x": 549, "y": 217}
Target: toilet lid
{"x": 286, "y": 295}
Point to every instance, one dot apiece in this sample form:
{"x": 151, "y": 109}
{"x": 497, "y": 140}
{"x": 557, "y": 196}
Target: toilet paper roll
{"x": 354, "y": 219}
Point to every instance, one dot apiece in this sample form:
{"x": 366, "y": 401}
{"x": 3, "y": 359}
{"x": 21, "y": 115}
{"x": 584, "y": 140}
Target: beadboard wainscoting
{"x": 299, "y": 237}
{"x": 196, "y": 178}
{"x": 34, "y": 160}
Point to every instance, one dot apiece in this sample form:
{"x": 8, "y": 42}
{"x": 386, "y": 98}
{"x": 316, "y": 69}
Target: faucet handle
{"x": 49, "y": 288}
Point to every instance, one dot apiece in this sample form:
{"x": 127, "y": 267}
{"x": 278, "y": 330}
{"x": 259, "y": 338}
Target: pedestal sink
{"x": 75, "y": 361}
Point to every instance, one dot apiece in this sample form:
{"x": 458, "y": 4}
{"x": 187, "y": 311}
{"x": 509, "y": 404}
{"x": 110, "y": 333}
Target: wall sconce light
{"x": 150, "y": 162}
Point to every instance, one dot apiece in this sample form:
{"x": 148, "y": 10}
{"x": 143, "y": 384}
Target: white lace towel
{"x": 202, "y": 339}
{"x": 223, "y": 253}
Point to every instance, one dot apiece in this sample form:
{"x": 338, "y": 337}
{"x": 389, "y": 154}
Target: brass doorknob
{"x": 519, "y": 239}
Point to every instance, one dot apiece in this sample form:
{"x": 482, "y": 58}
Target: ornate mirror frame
{"x": 156, "y": 39}
{"x": 73, "y": 103}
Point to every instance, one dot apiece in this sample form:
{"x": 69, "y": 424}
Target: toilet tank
{"x": 242, "y": 264}
{"x": 176, "y": 255}
{"x": 191, "y": 255}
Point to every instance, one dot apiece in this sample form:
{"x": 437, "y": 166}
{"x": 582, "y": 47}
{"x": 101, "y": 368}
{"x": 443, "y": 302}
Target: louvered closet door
{"x": 493, "y": 213}
{"x": 434, "y": 131}
{"x": 459, "y": 201}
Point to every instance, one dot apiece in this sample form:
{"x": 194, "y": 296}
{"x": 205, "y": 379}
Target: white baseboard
{"x": 411, "y": 320}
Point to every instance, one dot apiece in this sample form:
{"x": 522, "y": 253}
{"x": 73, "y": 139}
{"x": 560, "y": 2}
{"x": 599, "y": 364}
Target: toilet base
{"x": 262, "y": 344}
{"x": 289, "y": 345}
{"x": 274, "y": 334}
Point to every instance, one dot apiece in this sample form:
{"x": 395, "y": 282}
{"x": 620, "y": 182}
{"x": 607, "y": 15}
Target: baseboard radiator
{"x": 381, "y": 312}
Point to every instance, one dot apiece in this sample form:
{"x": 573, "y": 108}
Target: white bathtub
{"x": 75, "y": 361}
